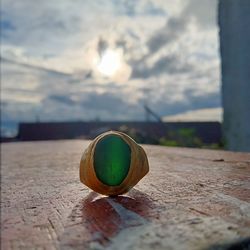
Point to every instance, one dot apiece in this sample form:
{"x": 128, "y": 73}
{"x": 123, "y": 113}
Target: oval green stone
{"x": 112, "y": 158}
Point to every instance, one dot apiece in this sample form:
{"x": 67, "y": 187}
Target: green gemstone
{"x": 112, "y": 158}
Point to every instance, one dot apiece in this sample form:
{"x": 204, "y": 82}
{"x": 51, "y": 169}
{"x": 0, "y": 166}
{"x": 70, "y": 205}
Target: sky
{"x": 104, "y": 59}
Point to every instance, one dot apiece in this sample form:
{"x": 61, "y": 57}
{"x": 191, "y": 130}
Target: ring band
{"x": 113, "y": 163}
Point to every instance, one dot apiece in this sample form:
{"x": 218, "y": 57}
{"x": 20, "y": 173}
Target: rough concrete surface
{"x": 191, "y": 199}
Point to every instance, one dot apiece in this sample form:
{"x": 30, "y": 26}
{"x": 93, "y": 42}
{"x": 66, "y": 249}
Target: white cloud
{"x": 212, "y": 114}
{"x": 170, "y": 47}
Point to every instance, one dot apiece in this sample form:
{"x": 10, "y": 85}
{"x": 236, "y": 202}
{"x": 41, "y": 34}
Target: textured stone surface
{"x": 112, "y": 159}
{"x": 191, "y": 199}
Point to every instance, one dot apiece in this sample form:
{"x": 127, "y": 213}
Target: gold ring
{"x": 113, "y": 163}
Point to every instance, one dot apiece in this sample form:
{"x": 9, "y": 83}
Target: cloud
{"x": 205, "y": 12}
{"x": 209, "y": 114}
{"x": 61, "y": 99}
{"x": 165, "y": 107}
{"x": 34, "y": 67}
{"x": 169, "y": 64}
{"x": 169, "y": 33}
{"x": 91, "y": 105}
{"x": 49, "y": 58}
{"x": 91, "y": 101}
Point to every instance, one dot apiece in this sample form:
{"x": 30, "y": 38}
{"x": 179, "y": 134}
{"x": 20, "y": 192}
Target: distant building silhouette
{"x": 208, "y": 132}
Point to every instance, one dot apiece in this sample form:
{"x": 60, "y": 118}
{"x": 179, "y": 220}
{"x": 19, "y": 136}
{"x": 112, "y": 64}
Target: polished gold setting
{"x": 139, "y": 167}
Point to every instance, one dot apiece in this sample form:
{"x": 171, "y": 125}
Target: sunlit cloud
{"x": 212, "y": 114}
{"x": 110, "y": 62}
{"x": 60, "y": 55}
{"x": 111, "y": 65}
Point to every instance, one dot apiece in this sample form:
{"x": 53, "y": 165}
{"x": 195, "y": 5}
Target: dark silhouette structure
{"x": 234, "y": 22}
{"x": 208, "y": 132}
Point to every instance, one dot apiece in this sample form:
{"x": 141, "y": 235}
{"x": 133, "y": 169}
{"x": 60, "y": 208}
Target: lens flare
{"x": 110, "y": 62}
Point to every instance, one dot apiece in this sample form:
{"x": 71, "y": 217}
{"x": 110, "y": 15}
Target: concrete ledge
{"x": 191, "y": 199}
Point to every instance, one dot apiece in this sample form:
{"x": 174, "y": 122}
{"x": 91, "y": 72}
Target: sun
{"x": 110, "y": 62}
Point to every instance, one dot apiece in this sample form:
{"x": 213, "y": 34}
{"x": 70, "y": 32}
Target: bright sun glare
{"x": 110, "y": 62}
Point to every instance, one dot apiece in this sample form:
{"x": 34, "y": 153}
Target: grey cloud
{"x": 7, "y": 26}
{"x": 50, "y": 30}
{"x": 191, "y": 102}
{"x": 90, "y": 105}
{"x": 106, "y": 101}
{"x": 121, "y": 43}
{"x": 63, "y": 99}
{"x": 102, "y": 46}
{"x": 202, "y": 11}
{"x": 112, "y": 106}
{"x": 174, "y": 29}
{"x": 42, "y": 28}
{"x": 34, "y": 67}
{"x": 127, "y": 8}
{"x": 205, "y": 100}
{"x": 49, "y": 82}
{"x": 151, "y": 9}
{"x": 132, "y": 9}
{"x": 170, "y": 32}
{"x": 169, "y": 64}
